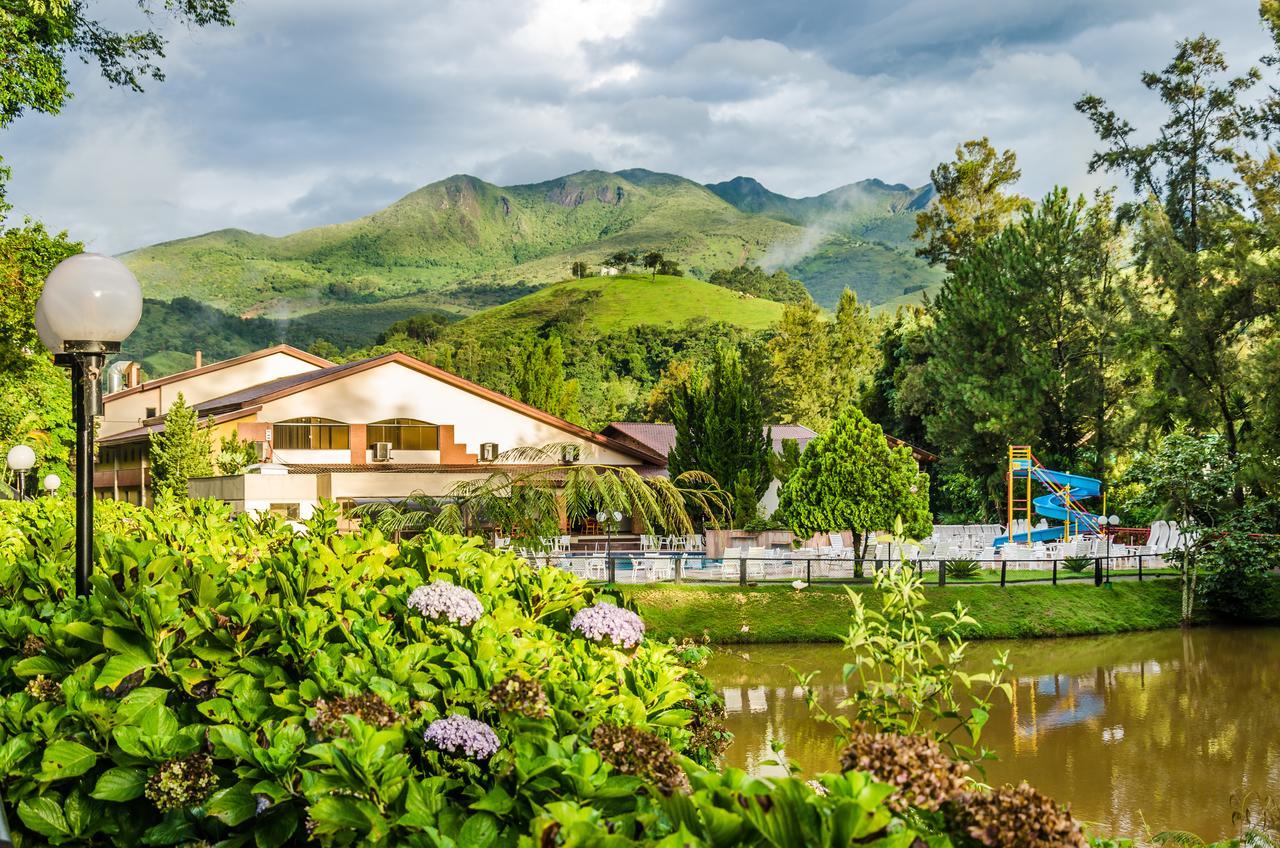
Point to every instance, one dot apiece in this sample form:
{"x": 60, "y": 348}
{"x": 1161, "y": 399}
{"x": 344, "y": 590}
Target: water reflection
{"x": 1160, "y": 728}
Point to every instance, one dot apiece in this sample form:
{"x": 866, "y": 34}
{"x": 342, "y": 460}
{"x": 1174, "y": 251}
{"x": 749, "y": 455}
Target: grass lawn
{"x": 778, "y": 613}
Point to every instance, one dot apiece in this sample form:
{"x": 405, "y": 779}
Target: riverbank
{"x": 731, "y": 615}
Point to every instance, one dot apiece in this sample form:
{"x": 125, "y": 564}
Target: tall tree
{"x": 1014, "y": 345}
{"x": 1197, "y": 301}
{"x": 850, "y": 479}
{"x": 182, "y": 450}
{"x": 853, "y": 351}
{"x": 972, "y": 202}
{"x": 801, "y": 382}
{"x": 538, "y": 378}
{"x": 653, "y": 261}
{"x": 720, "y": 427}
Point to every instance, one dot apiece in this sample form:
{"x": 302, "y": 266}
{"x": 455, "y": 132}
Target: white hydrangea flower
{"x": 440, "y": 600}
{"x": 463, "y": 736}
{"x": 605, "y": 621}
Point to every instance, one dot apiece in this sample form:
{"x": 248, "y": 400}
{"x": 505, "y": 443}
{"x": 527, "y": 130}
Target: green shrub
{"x": 963, "y": 569}
{"x": 231, "y": 682}
{"x": 1078, "y": 564}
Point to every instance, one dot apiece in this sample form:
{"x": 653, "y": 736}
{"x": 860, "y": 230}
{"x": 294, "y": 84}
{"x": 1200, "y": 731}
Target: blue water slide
{"x": 1053, "y": 506}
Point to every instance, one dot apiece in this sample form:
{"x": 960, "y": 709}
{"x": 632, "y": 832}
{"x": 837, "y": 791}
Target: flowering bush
{"x": 439, "y": 600}
{"x": 229, "y": 682}
{"x": 603, "y": 622}
{"x": 1013, "y": 817}
{"x": 921, "y": 775}
{"x": 463, "y": 736}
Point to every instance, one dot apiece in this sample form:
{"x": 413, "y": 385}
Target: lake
{"x": 1168, "y": 729}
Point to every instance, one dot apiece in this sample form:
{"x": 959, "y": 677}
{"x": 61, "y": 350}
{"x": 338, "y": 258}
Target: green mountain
{"x": 462, "y": 245}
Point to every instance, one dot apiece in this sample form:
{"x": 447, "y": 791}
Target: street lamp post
{"x": 1112, "y": 523}
{"x": 90, "y": 304}
{"x": 20, "y": 460}
{"x": 609, "y": 520}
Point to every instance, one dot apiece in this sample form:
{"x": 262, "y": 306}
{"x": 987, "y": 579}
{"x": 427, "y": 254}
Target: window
{"x": 405, "y": 434}
{"x": 151, "y": 412}
{"x": 311, "y": 434}
{"x": 288, "y": 510}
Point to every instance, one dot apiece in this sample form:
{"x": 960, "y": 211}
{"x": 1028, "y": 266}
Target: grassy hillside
{"x": 609, "y": 304}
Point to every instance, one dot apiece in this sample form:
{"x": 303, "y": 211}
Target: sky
{"x": 309, "y": 112}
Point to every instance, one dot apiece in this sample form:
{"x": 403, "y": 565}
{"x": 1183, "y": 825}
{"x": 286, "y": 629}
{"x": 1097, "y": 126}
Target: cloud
{"x": 315, "y": 111}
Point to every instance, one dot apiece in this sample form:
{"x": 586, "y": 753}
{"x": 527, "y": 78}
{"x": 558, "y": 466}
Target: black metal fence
{"x": 691, "y": 567}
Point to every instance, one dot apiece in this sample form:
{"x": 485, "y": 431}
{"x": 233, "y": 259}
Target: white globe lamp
{"x": 20, "y": 460}
{"x": 52, "y": 482}
{"x": 91, "y": 299}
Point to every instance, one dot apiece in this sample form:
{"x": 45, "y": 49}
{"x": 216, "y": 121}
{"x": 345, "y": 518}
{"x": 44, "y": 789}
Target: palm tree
{"x": 528, "y": 501}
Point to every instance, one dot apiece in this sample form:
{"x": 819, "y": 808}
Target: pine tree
{"x": 720, "y": 426}
{"x": 802, "y": 374}
{"x": 853, "y": 352}
{"x": 1015, "y": 343}
{"x": 972, "y": 204}
{"x": 849, "y": 478}
{"x": 182, "y": 450}
{"x": 538, "y": 378}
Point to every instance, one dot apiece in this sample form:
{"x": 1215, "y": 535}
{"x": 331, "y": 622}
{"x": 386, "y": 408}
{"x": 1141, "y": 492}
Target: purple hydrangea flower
{"x": 456, "y": 604}
{"x": 458, "y": 734}
{"x": 604, "y": 621}
{"x": 261, "y": 803}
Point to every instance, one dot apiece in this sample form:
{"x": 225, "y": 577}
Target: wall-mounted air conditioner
{"x": 570, "y": 453}
{"x": 381, "y": 451}
{"x": 262, "y": 450}
{"x": 488, "y": 451}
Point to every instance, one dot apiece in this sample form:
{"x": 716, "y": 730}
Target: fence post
{"x": 1139, "y": 568}
{"x": 1004, "y": 571}
{"x": 612, "y": 567}
{"x": 1097, "y": 571}
{"x": 742, "y": 571}
{"x": 942, "y": 572}
{"x": 808, "y": 572}
{"x": 679, "y": 572}
{"x": 1055, "y": 571}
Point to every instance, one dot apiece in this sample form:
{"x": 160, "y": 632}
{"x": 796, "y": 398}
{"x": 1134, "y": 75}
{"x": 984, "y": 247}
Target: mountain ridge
{"x": 462, "y": 241}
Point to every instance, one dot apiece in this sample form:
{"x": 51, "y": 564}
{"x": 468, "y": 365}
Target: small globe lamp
{"x": 20, "y": 460}
{"x": 90, "y": 305}
{"x": 51, "y": 484}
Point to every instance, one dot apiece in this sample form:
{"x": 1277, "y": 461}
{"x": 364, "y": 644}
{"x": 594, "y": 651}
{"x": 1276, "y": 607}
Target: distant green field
{"x": 609, "y": 304}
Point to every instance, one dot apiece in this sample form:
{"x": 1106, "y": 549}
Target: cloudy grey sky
{"x": 315, "y": 111}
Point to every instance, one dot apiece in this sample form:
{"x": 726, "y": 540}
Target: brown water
{"x": 1147, "y": 729}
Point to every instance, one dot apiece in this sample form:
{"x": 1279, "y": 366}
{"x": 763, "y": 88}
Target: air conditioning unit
{"x": 488, "y": 451}
{"x": 570, "y": 453}
{"x": 262, "y": 450}
{"x": 381, "y": 451}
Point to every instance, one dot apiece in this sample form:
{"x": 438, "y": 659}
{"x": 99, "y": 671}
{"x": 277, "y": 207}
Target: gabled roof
{"x": 311, "y": 358}
{"x": 661, "y": 438}
{"x": 285, "y": 386}
{"x": 143, "y": 433}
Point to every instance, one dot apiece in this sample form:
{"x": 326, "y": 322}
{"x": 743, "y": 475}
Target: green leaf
{"x": 85, "y": 631}
{"x": 118, "y": 668}
{"x": 171, "y": 831}
{"x": 66, "y": 759}
{"x": 233, "y": 739}
{"x": 31, "y": 666}
{"x": 478, "y": 831}
{"x": 496, "y": 800}
{"x": 138, "y": 705}
{"x": 127, "y": 644}
{"x": 44, "y": 816}
{"x": 120, "y": 784}
{"x": 275, "y": 827}
{"x": 234, "y": 805}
